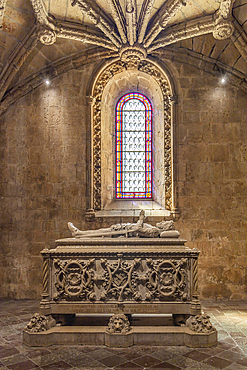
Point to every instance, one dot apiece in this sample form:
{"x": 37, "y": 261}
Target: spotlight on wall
{"x": 47, "y": 81}
{"x": 223, "y": 80}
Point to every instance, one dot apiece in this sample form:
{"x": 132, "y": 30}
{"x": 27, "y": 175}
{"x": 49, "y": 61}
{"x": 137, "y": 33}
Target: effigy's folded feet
{"x": 72, "y": 229}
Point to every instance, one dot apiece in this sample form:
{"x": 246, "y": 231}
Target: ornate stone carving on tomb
{"x": 136, "y": 279}
{"x": 74, "y": 279}
{"x": 120, "y": 280}
{"x": 39, "y": 323}
{"x": 118, "y": 324}
{"x": 166, "y": 278}
{"x": 200, "y": 324}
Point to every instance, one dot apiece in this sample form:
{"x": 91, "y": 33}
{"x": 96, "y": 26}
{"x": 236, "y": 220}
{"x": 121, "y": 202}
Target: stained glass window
{"x": 134, "y": 147}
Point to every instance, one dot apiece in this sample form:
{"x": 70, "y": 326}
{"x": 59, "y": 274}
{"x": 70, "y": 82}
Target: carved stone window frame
{"x": 94, "y": 178}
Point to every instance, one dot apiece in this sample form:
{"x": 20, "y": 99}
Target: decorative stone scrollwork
{"x": 39, "y": 323}
{"x": 120, "y": 279}
{"x": 223, "y": 30}
{"x": 118, "y": 324}
{"x": 200, "y": 324}
{"x": 166, "y": 278}
{"x": 74, "y": 279}
{"x": 47, "y": 36}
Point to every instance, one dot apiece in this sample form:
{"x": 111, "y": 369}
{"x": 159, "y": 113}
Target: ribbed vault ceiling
{"x": 36, "y": 34}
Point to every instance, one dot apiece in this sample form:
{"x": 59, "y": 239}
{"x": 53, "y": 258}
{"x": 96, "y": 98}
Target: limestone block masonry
{"x": 121, "y": 277}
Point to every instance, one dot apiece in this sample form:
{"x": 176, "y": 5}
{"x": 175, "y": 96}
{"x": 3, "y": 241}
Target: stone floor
{"x": 230, "y": 319}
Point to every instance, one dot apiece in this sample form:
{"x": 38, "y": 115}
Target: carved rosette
{"x": 74, "y": 280}
{"x": 115, "y": 68}
{"x": 47, "y": 36}
{"x": 200, "y": 324}
{"x": 118, "y": 324}
{"x": 39, "y": 323}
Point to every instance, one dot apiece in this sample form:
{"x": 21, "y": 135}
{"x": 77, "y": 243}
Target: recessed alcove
{"x": 136, "y": 80}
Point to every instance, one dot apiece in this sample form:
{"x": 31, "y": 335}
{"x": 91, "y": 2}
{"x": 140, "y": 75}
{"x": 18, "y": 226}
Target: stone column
{"x": 195, "y": 308}
{"x": 46, "y": 279}
{"x": 89, "y": 215}
{"x": 174, "y": 155}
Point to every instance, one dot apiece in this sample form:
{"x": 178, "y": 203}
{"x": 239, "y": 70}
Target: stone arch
{"x": 111, "y": 82}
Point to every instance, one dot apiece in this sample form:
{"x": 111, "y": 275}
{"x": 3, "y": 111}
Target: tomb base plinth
{"x": 142, "y": 336}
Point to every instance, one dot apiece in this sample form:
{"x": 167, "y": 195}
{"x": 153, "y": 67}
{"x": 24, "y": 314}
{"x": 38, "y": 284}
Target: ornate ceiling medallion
{"x": 132, "y": 55}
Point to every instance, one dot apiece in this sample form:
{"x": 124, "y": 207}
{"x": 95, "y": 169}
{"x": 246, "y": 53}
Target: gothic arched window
{"x": 133, "y": 132}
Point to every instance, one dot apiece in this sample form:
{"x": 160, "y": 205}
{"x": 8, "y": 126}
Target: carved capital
{"x": 47, "y": 36}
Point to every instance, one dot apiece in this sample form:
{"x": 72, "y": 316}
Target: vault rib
{"x": 41, "y": 13}
{"x": 184, "y": 31}
{"x": 166, "y": 12}
{"x": 146, "y": 9}
{"x": 131, "y": 21}
{"x": 118, "y": 18}
{"x": 17, "y": 58}
{"x": 72, "y": 33}
{"x": 221, "y": 29}
{"x": 239, "y": 39}
{"x": 225, "y": 8}
{"x": 99, "y": 21}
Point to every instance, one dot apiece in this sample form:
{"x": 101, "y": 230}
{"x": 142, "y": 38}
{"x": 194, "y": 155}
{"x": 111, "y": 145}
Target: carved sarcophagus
{"x": 120, "y": 275}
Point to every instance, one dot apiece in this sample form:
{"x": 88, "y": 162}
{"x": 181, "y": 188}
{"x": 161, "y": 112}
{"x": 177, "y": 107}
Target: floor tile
{"x": 218, "y": 362}
{"x": 146, "y": 361}
{"x": 112, "y": 361}
{"x": 230, "y": 353}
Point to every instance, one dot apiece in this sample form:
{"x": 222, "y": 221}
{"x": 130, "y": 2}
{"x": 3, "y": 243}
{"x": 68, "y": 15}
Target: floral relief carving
{"x": 120, "y": 279}
{"x": 74, "y": 279}
{"x": 166, "y": 278}
{"x": 39, "y": 323}
{"x": 200, "y": 324}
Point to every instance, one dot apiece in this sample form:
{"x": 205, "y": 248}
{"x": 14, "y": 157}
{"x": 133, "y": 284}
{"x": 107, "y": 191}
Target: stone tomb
{"x": 122, "y": 277}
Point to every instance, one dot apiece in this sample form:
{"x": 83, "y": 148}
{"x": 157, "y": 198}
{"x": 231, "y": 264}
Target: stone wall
{"x": 212, "y": 186}
{"x": 43, "y": 178}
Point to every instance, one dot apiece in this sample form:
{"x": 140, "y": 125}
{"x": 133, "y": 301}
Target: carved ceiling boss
{"x": 132, "y": 34}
